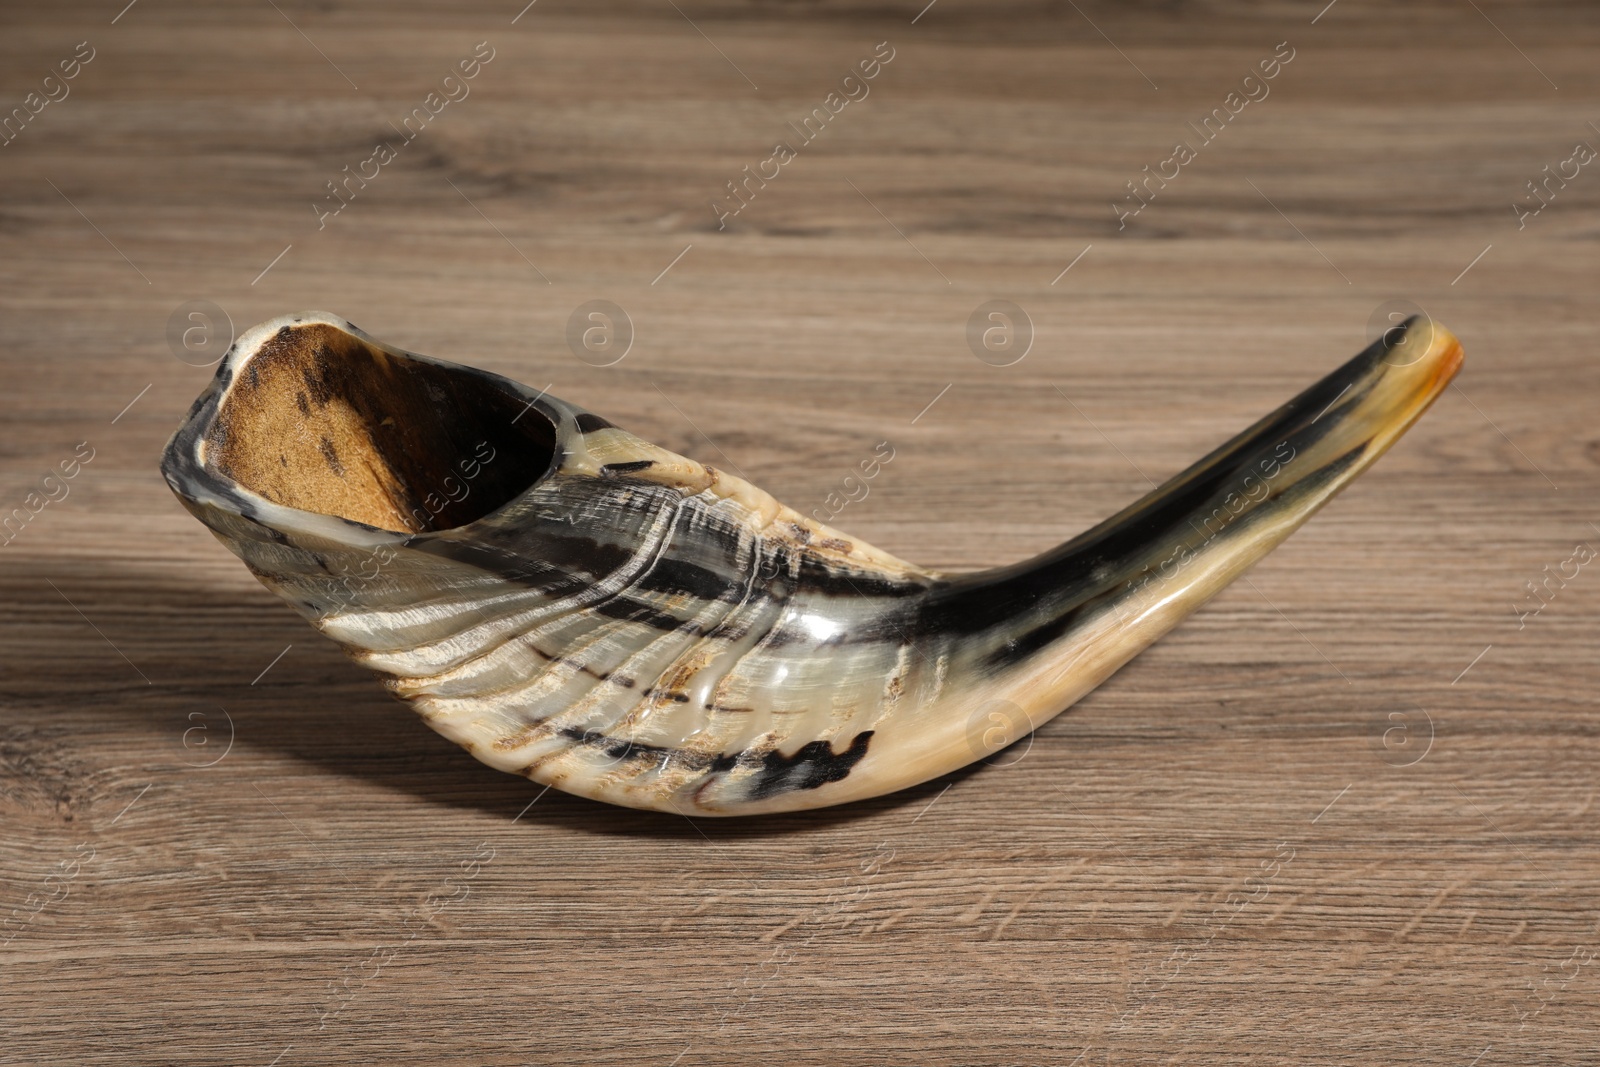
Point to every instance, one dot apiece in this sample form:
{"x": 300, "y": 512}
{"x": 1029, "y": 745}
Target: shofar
{"x": 574, "y": 604}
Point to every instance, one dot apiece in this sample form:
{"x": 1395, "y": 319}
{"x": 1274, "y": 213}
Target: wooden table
{"x": 224, "y": 844}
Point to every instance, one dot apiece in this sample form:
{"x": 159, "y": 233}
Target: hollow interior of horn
{"x": 321, "y": 420}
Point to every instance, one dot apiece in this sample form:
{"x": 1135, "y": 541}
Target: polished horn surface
{"x": 572, "y": 603}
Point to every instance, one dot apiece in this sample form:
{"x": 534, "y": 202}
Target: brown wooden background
{"x": 312, "y": 897}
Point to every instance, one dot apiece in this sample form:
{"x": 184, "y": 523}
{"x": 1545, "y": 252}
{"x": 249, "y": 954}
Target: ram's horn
{"x": 574, "y": 604}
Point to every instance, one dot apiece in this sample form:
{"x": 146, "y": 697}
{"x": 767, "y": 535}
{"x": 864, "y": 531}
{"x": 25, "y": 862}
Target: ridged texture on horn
{"x": 572, "y": 603}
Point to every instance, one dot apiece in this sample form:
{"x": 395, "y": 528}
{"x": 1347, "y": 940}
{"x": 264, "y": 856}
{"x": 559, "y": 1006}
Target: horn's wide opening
{"x": 321, "y": 421}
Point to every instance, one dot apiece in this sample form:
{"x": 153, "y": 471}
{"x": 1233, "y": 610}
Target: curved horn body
{"x": 572, "y": 603}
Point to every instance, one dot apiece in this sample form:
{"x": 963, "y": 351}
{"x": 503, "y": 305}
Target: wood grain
{"x": 1343, "y": 815}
